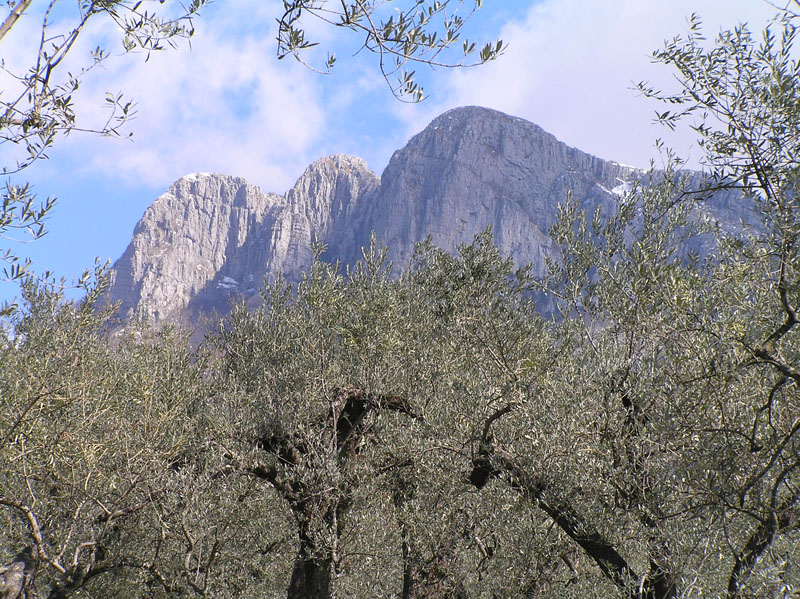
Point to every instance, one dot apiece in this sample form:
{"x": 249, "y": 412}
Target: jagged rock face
{"x": 474, "y": 167}
{"x": 318, "y": 207}
{"x": 184, "y": 240}
{"x": 211, "y": 237}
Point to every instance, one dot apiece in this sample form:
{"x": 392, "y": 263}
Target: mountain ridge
{"x": 213, "y": 236}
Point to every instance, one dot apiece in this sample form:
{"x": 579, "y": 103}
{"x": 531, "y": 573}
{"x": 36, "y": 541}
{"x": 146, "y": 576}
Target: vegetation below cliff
{"x": 428, "y": 434}
{"x": 423, "y": 435}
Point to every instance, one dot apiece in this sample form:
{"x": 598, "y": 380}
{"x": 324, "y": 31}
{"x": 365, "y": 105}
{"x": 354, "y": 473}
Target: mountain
{"x": 210, "y": 237}
{"x": 473, "y": 167}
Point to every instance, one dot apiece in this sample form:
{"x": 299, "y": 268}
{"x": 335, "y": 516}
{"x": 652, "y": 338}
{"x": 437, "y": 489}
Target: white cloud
{"x": 571, "y": 64}
{"x": 226, "y": 105}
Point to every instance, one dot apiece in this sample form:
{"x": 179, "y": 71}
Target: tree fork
{"x": 313, "y": 568}
{"x": 492, "y": 462}
{"x": 787, "y": 516}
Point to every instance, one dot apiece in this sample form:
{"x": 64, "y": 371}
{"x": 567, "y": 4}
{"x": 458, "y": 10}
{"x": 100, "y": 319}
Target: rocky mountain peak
{"x": 210, "y": 238}
{"x": 473, "y": 167}
{"x": 329, "y": 188}
{"x": 183, "y": 240}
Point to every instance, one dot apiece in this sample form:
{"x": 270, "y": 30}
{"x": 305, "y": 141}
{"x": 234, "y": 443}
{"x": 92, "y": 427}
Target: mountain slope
{"x": 210, "y": 237}
{"x": 473, "y": 167}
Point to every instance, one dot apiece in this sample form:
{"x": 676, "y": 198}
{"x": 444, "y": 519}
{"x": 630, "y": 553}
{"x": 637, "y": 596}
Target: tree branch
{"x": 16, "y": 12}
{"x": 785, "y": 517}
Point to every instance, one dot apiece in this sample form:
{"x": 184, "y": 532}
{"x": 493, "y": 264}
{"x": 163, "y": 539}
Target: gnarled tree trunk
{"x": 311, "y": 575}
{"x": 313, "y": 570}
{"x": 16, "y": 575}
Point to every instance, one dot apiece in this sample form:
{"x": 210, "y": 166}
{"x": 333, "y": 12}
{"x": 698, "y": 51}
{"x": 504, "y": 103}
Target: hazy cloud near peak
{"x": 225, "y": 105}
{"x": 571, "y": 66}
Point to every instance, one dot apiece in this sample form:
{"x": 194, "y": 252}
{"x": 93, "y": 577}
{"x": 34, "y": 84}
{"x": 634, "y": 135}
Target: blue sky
{"x": 227, "y": 105}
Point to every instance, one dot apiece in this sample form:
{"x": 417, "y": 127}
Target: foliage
{"x": 39, "y": 106}
{"x": 90, "y": 438}
{"x": 19, "y": 214}
{"x": 429, "y": 434}
{"x": 401, "y": 33}
{"x": 317, "y": 376}
{"x": 686, "y": 372}
{"x": 351, "y": 408}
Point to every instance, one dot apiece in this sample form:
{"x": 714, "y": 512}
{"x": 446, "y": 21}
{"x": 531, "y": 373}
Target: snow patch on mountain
{"x": 618, "y": 190}
{"x": 228, "y": 283}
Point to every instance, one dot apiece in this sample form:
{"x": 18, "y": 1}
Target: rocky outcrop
{"x": 183, "y": 242}
{"x": 473, "y": 167}
{"x": 318, "y": 208}
{"x": 211, "y": 237}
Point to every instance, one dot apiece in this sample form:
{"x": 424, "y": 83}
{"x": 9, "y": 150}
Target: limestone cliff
{"x": 185, "y": 239}
{"x": 211, "y": 237}
{"x": 473, "y": 167}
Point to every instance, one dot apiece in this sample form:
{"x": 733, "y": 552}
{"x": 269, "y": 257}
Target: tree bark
{"x": 492, "y": 462}
{"x": 16, "y": 575}
{"x": 604, "y": 554}
{"x": 313, "y": 569}
{"x": 787, "y": 516}
{"x": 16, "y": 12}
{"x": 311, "y": 577}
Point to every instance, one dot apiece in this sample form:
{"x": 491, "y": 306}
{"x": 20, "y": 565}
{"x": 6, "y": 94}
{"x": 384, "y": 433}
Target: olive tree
{"x": 37, "y": 104}
{"x": 663, "y": 440}
{"x": 402, "y": 34}
{"x": 93, "y": 443}
{"x": 315, "y": 370}
{"x": 85, "y": 512}
{"x": 347, "y": 403}
{"x": 746, "y": 95}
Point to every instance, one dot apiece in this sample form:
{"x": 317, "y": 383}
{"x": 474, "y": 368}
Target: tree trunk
{"x": 432, "y": 578}
{"x": 311, "y": 578}
{"x": 15, "y": 576}
{"x": 488, "y": 464}
{"x": 313, "y": 570}
{"x": 760, "y": 540}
